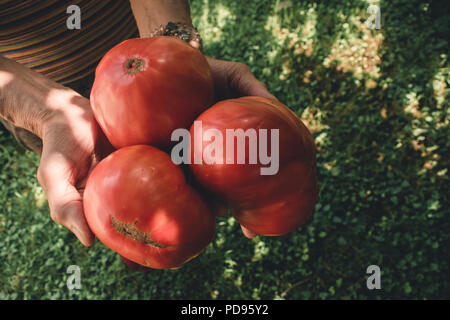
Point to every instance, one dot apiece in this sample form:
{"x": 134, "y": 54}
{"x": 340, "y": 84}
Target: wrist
{"x": 24, "y": 95}
{"x": 183, "y": 31}
{"x": 64, "y": 107}
{"x": 150, "y": 14}
{"x": 24, "y": 108}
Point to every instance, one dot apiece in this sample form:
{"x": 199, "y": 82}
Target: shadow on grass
{"x": 382, "y": 199}
{"x": 377, "y": 170}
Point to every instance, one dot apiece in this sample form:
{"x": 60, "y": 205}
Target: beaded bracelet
{"x": 181, "y": 31}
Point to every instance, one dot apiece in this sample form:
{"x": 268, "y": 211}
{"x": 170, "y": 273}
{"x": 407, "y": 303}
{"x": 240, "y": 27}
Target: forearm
{"x": 24, "y": 96}
{"x": 151, "y": 14}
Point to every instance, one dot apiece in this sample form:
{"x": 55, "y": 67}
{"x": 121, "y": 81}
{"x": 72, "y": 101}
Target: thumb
{"x": 65, "y": 201}
{"x": 248, "y": 85}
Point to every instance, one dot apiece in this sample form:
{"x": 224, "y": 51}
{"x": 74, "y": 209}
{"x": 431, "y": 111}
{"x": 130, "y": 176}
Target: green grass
{"x": 376, "y": 102}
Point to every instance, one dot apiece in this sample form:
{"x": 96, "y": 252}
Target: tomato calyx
{"x": 134, "y": 65}
{"x": 131, "y": 231}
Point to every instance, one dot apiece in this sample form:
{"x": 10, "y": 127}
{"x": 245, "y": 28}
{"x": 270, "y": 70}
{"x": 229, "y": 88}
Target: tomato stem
{"x": 134, "y": 65}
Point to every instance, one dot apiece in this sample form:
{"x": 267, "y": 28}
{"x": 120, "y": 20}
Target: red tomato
{"x": 146, "y": 88}
{"x": 273, "y": 204}
{"x": 138, "y": 204}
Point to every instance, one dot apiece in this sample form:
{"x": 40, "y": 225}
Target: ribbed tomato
{"x": 271, "y": 202}
{"x": 137, "y": 202}
{"x": 146, "y": 88}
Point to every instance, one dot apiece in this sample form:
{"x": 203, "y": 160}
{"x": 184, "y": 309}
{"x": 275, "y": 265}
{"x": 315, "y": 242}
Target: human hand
{"x": 234, "y": 80}
{"x": 73, "y": 144}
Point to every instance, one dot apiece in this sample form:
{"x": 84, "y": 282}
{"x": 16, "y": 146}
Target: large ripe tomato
{"x": 265, "y": 204}
{"x": 146, "y": 88}
{"x": 138, "y": 204}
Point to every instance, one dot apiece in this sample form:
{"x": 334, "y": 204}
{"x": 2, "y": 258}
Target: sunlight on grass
{"x": 40, "y": 197}
{"x": 300, "y": 40}
{"x": 213, "y": 32}
{"x": 439, "y": 84}
{"x": 412, "y": 105}
{"x": 356, "y": 50}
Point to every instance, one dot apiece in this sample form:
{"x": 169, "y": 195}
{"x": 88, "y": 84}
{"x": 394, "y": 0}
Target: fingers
{"x": 65, "y": 202}
{"x": 235, "y": 79}
{"x": 248, "y": 233}
{"x": 245, "y": 83}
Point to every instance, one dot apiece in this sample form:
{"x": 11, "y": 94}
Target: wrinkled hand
{"x": 234, "y": 80}
{"x": 73, "y": 144}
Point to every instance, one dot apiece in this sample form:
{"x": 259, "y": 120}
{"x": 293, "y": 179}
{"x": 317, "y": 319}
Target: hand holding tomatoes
{"x": 137, "y": 200}
{"x": 235, "y": 80}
